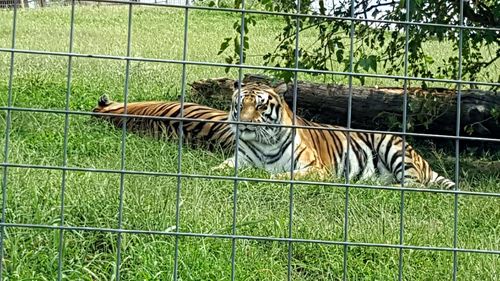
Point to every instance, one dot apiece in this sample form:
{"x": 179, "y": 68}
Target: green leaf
{"x": 224, "y": 45}
{"x": 361, "y": 80}
{"x": 246, "y": 45}
{"x": 364, "y": 63}
{"x": 236, "y": 45}
{"x": 372, "y": 62}
{"x": 340, "y": 55}
{"x": 428, "y": 59}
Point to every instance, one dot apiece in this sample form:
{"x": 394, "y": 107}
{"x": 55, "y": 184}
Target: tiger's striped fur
{"x": 324, "y": 151}
{"x": 196, "y": 133}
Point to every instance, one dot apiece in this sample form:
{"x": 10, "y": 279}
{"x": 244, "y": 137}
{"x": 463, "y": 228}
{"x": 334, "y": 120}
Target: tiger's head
{"x": 260, "y": 104}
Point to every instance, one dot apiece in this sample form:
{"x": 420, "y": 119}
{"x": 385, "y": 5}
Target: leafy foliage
{"x": 382, "y": 43}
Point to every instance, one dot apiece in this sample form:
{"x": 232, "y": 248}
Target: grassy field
{"x": 149, "y": 202}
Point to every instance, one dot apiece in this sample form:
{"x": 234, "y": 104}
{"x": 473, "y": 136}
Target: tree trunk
{"x": 431, "y": 111}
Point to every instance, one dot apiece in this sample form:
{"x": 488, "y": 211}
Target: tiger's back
{"x": 161, "y": 120}
{"x": 368, "y": 154}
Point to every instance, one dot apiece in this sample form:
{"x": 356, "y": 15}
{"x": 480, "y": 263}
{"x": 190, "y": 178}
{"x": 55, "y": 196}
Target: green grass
{"x": 91, "y": 199}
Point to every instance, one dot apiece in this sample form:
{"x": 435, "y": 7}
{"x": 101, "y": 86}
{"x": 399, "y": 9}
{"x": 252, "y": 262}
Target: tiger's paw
{"x": 219, "y": 167}
{"x": 307, "y": 174}
{"x": 229, "y": 163}
{"x": 280, "y": 176}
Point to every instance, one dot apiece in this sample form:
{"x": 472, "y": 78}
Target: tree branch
{"x": 368, "y": 9}
{"x": 484, "y": 17}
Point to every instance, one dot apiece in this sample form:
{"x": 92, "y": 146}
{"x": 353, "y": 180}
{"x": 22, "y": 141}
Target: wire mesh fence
{"x": 177, "y": 232}
{"x": 48, "y": 3}
{"x": 31, "y": 3}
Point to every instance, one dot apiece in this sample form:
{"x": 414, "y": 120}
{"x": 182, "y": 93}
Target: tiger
{"x": 327, "y": 150}
{"x": 212, "y": 134}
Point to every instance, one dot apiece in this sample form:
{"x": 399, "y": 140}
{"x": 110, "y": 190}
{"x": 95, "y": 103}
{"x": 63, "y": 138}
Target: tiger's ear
{"x": 281, "y": 88}
{"x": 238, "y": 83}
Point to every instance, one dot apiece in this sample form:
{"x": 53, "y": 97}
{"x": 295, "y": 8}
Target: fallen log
{"x": 431, "y": 110}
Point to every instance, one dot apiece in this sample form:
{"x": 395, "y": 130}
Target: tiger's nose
{"x": 248, "y": 111}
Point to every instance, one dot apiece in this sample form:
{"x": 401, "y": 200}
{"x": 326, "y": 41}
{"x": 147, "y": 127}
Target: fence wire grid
{"x": 290, "y": 240}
